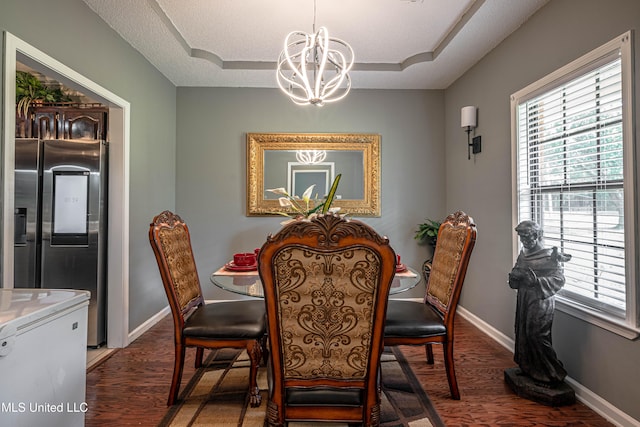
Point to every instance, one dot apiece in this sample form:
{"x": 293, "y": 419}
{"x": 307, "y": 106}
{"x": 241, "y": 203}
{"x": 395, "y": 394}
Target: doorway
{"x": 118, "y": 211}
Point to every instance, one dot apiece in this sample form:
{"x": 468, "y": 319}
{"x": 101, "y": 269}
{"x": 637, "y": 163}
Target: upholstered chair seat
{"x": 324, "y": 396}
{"x": 239, "y": 320}
{"x": 401, "y": 316}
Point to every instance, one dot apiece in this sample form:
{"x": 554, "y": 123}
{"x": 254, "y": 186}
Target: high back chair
{"x": 416, "y": 323}
{"x": 235, "y": 324}
{"x": 326, "y": 283}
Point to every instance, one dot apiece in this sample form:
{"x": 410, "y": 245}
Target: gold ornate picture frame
{"x": 272, "y": 162}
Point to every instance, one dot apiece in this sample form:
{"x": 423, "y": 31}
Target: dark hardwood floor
{"x": 130, "y": 387}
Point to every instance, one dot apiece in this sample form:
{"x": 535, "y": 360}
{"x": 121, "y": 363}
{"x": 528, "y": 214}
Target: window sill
{"x": 596, "y": 318}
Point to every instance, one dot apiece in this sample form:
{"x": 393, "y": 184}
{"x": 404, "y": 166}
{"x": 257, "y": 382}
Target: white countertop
{"x": 20, "y": 308}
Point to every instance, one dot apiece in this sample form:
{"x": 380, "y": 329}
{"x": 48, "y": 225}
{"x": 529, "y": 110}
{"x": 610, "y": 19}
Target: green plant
{"x": 305, "y": 206}
{"x": 428, "y": 230}
{"x": 30, "y": 89}
{"x": 332, "y": 192}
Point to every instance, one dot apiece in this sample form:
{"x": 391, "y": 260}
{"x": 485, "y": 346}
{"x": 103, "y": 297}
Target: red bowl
{"x": 244, "y": 259}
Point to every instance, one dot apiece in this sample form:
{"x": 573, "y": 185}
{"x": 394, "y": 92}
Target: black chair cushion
{"x": 228, "y": 320}
{"x": 412, "y": 319}
{"x": 324, "y": 396}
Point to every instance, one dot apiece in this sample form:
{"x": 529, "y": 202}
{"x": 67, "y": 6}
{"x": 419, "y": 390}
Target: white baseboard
{"x": 583, "y": 394}
{"x": 497, "y": 336}
{"x": 137, "y": 332}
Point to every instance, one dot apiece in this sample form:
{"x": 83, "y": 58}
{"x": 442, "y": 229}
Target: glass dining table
{"x": 248, "y": 282}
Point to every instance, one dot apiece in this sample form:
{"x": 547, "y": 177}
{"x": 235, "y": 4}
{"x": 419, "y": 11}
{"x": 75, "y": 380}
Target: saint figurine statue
{"x": 537, "y": 275}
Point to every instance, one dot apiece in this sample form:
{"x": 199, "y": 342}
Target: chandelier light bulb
{"x": 313, "y": 68}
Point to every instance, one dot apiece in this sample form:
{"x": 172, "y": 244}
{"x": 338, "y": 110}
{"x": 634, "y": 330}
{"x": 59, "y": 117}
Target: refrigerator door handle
{"x": 20, "y": 227}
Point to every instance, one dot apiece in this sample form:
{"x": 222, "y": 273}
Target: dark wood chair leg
{"x": 178, "y": 364}
{"x": 254, "y": 349}
{"x": 274, "y": 417}
{"x": 429, "y": 350}
{"x": 199, "y": 356}
{"x": 265, "y": 350}
{"x": 372, "y": 419}
{"x": 451, "y": 371}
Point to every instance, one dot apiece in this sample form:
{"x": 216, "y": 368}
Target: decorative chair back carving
{"x": 326, "y": 286}
{"x": 456, "y": 238}
{"x": 178, "y": 266}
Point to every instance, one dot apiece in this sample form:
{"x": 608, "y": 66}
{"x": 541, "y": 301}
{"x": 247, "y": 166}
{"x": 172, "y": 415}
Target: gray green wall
{"x": 560, "y": 32}
{"x": 70, "y": 32}
{"x": 425, "y": 171}
{"x": 211, "y": 163}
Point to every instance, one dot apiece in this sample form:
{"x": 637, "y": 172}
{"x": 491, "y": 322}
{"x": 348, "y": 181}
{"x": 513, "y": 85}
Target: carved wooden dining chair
{"x": 234, "y": 324}
{"x": 326, "y": 283}
{"x": 431, "y": 321}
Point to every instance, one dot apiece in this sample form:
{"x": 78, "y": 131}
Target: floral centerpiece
{"x": 306, "y": 207}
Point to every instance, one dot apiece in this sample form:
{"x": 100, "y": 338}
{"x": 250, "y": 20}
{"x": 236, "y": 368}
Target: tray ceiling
{"x": 398, "y": 44}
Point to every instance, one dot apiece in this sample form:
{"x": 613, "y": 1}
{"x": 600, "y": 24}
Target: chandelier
{"x": 313, "y": 68}
{"x": 310, "y": 157}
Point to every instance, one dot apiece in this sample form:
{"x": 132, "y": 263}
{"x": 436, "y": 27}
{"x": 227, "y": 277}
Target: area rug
{"x": 217, "y": 395}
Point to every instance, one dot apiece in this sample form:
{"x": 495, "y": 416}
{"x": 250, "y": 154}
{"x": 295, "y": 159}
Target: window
{"x": 574, "y": 175}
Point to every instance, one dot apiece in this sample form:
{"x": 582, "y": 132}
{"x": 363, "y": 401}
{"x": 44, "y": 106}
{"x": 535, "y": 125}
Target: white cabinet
{"x": 43, "y": 353}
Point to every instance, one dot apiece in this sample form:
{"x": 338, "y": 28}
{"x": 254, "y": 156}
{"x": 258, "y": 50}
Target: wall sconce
{"x": 468, "y": 120}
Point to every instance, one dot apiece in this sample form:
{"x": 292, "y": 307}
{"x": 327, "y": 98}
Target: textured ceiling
{"x": 398, "y": 44}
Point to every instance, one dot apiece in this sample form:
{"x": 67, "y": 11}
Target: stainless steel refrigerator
{"x": 60, "y": 220}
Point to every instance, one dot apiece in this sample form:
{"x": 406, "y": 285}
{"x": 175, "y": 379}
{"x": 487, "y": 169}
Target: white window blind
{"x": 570, "y": 178}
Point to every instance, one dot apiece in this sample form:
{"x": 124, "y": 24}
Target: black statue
{"x": 537, "y": 275}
